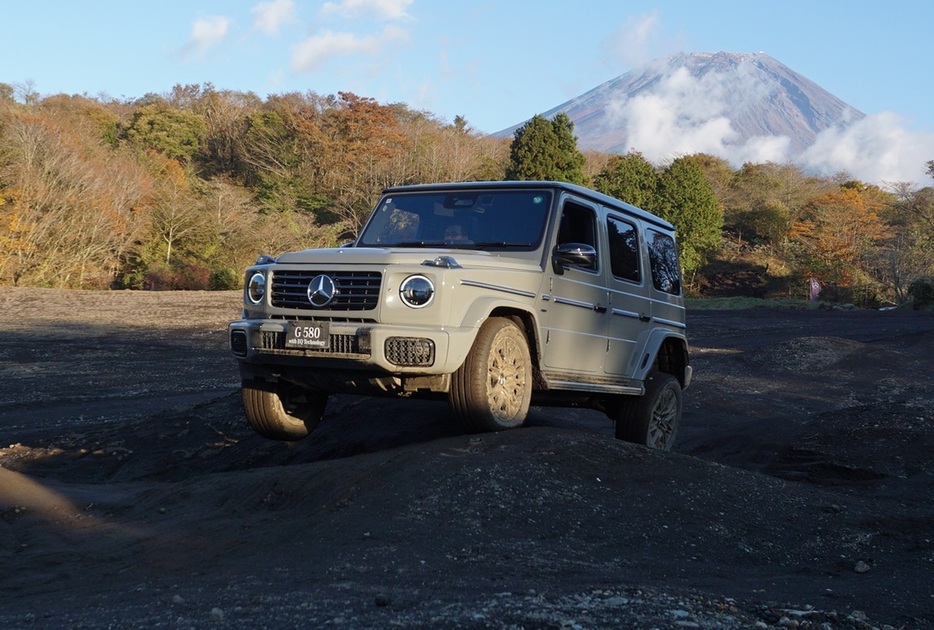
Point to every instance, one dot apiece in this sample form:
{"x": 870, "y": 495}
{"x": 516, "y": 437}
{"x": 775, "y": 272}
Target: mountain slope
{"x": 705, "y": 102}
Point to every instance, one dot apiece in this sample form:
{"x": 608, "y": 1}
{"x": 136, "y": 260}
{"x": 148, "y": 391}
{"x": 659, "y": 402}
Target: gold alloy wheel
{"x": 508, "y": 375}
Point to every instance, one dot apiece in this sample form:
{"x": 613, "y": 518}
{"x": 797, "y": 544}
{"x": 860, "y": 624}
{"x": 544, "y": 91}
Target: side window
{"x": 624, "y": 249}
{"x": 578, "y": 225}
{"x": 663, "y": 256}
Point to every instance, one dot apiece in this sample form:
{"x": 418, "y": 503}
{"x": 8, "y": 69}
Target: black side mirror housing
{"x": 575, "y": 254}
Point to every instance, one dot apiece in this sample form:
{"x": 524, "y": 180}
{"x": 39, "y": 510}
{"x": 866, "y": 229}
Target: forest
{"x": 183, "y": 190}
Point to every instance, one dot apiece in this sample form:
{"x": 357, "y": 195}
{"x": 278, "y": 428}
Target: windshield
{"x": 469, "y": 219}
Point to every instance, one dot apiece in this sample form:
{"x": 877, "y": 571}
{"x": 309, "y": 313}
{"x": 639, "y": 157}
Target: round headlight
{"x": 256, "y": 288}
{"x": 417, "y": 291}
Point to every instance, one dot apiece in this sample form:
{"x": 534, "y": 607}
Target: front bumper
{"x": 391, "y": 349}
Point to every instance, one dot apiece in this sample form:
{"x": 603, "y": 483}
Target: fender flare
{"x": 491, "y": 306}
{"x": 665, "y": 351}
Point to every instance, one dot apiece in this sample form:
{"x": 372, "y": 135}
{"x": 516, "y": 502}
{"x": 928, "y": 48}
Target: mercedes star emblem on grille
{"x": 321, "y": 290}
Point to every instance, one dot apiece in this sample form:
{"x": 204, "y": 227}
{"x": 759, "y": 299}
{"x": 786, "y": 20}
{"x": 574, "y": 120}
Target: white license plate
{"x": 307, "y": 335}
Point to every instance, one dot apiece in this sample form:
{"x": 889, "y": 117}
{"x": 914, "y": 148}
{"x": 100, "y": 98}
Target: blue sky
{"x": 495, "y": 62}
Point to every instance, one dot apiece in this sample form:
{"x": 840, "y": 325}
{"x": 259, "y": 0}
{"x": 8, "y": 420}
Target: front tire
{"x": 653, "y": 418}
{"x": 492, "y": 390}
{"x": 281, "y": 411}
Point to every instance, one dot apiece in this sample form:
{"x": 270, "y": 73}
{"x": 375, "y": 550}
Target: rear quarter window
{"x": 663, "y": 258}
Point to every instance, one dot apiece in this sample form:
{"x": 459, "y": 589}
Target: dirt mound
{"x": 213, "y": 437}
{"x": 864, "y": 443}
{"x": 816, "y": 355}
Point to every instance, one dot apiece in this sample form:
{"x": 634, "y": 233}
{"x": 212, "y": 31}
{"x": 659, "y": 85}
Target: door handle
{"x": 599, "y": 309}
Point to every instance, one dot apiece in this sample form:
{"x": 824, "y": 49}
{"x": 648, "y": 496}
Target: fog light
{"x": 238, "y": 342}
{"x": 410, "y": 351}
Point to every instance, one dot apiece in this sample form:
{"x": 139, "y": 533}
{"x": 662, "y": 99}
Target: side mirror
{"x": 575, "y": 254}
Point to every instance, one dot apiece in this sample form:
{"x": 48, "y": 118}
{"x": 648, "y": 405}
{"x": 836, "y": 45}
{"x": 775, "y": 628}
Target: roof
{"x": 575, "y": 189}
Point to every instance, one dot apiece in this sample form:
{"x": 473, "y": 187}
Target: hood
{"x": 400, "y": 256}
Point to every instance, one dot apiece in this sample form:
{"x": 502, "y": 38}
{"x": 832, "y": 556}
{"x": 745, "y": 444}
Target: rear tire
{"x": 281, "y": 411}
{"x": 653, "y": 418}
{"x": 492, "y": 390}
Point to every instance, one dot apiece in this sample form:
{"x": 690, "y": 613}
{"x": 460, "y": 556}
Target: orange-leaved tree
{"x": 363, "y": 138}
{"x": 68, "y": 203}
{"x": 837, "y": 232}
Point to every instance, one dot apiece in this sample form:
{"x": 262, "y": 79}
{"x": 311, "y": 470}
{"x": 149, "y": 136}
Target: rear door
{"x": 630, "y": 307}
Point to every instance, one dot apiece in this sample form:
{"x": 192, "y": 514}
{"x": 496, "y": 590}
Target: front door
{"x": 575, "y": 313}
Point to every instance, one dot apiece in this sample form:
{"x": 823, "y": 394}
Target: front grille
{"x": 410, "y": 351}
{"x": 337, "y": 344}
{"x": 355, "y": 290}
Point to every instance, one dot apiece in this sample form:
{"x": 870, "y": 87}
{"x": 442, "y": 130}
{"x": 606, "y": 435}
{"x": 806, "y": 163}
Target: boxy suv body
{"x": 494, "y": 295}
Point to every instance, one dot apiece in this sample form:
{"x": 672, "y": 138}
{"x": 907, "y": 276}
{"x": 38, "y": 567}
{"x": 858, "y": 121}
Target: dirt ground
{"x": 800, "y": 492}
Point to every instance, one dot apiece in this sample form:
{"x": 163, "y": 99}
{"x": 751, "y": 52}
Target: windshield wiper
{"x": 485, "y": 244}
{"x": 416, "y": 244}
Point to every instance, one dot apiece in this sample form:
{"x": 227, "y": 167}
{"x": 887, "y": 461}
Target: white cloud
{"x": 319, "y": 48}
{"x": 760, "y": 149}
{"x": 875, "y": 149}
{"x": 638, "y": 40}
{"x": 206, "y": 33}
{"x": 629, "y": 44}
{"x": 269, "y": 16}
{"x": 381, "y": 9}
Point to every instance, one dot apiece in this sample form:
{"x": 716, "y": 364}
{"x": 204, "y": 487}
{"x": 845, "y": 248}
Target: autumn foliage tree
{"x": 364, "y": 138}
{"x": 762, "y": 201}
{"x": 67, "y": 203}
{"x": 436, "y": 151}
{"x": 280, "y": 150}
{"x": 907, "y": 250}
{"x": 837, "y": 234}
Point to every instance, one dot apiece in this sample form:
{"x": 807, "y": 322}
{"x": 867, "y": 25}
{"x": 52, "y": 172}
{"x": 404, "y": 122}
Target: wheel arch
{"x": 525, "y": 320}
{"x": 666, "y": 352}
{"x": 529, "y": 324}
{"x": 521, "y": 314}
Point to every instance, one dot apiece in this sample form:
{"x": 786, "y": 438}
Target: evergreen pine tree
{"x": 686, "y": 199}
{"x": 546, "y": 150}
{"x": 630, "y": 178}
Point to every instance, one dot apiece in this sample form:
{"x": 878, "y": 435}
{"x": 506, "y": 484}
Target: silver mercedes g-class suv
{"x": 495, "y": 295}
